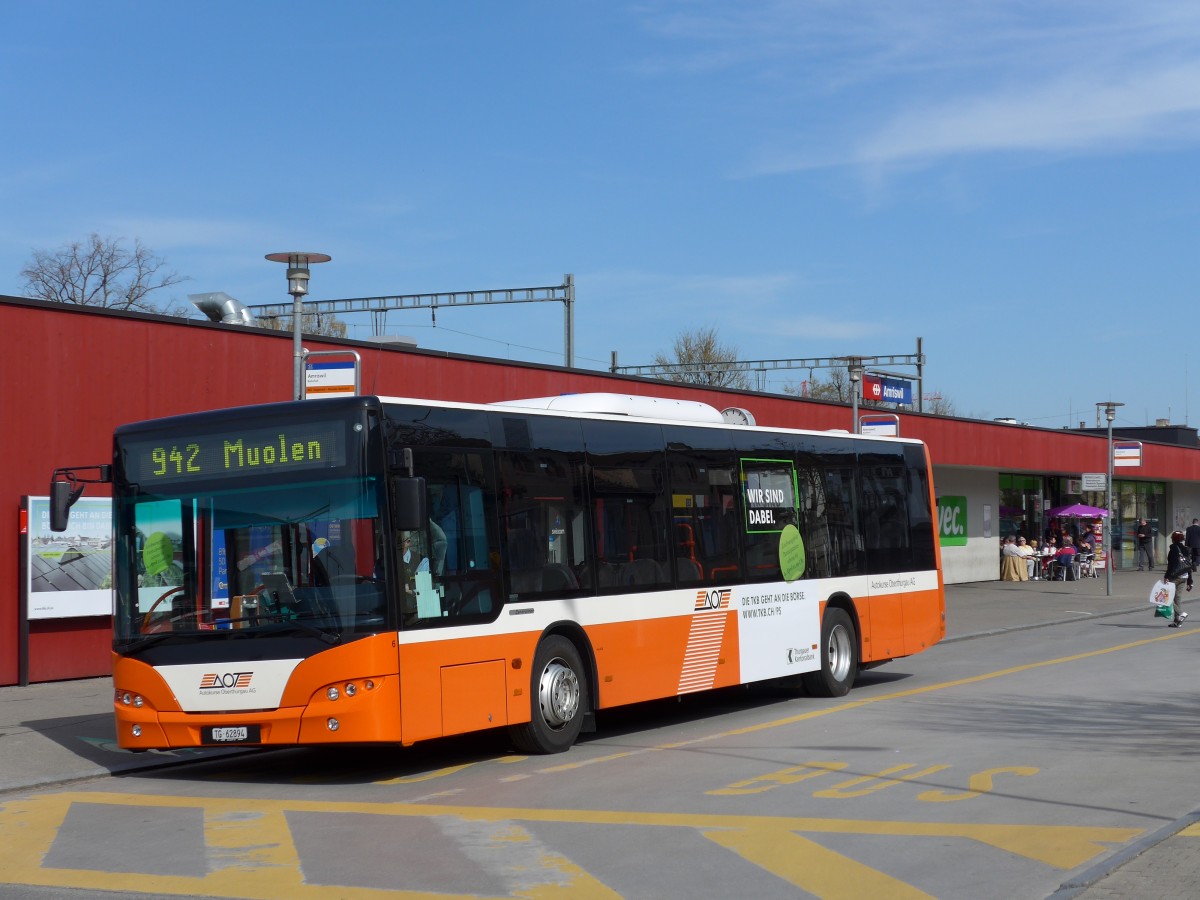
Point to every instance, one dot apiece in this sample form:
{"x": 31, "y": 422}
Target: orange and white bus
{"x": 372, "y": 569}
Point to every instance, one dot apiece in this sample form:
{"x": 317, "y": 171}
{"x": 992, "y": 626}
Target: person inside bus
{"x": 418, "y": 564}
{"x": 410, "y": 558}
{"x": 437, "y": 548}
{"x": 329, "y": 562}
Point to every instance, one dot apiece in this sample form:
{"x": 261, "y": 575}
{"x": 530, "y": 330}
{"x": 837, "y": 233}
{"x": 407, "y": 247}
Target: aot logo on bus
{"x": 225, "y": 681}
{"x": 714, "y": 599}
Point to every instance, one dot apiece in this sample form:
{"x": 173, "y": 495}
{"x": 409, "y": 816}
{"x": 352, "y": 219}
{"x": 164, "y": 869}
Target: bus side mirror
{"x": 63, "y": 495}
{"x": 408, "y": 504}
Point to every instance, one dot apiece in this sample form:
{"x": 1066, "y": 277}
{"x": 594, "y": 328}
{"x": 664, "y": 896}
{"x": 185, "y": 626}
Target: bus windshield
{"x": 251, "y": 561}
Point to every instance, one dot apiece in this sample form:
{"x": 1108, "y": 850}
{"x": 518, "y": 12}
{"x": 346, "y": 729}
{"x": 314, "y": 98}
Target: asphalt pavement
{"x": 59, "y": 732}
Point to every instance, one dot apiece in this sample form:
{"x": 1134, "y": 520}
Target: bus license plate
{"x": 230, "y": 734}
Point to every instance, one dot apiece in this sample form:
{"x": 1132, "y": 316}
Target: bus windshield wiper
{"x": 148, "y": 641}
{"x": 328, "y": 635}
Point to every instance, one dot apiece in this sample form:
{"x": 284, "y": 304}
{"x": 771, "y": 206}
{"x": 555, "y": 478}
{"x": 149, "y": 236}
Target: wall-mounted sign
{"x": 952, "y": 521}
{"x": 1127, "y": 453}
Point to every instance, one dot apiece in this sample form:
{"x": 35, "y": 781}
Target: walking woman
{"x": 1179, "y": 571}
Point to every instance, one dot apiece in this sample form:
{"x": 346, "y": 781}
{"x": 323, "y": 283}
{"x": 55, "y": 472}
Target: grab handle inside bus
{"x": 66, "y": 486}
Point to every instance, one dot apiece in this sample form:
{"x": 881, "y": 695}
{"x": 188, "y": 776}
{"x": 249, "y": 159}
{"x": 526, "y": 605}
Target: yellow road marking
{"x": 427, "y": 776}
{"x": 844, "y": 790}
{"x": 979, "y": 783}
{"x": 261, "y": 857}
{"x": 760, "y": 784}
{"x": 811, "y": 867}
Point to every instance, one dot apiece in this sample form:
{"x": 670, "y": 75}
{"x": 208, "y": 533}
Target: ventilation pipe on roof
{"x": 220, "y": 307}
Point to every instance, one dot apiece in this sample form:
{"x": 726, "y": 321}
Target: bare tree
{"x": 310, "y": 323}
{"x": 100, "y": 272}
{"x": 835, "y": 387}
{"x": 706, "y": 358}
{"x": 938, "y": 405}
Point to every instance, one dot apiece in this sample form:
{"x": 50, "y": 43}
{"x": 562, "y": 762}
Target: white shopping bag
{"x": 1163, "y": 593}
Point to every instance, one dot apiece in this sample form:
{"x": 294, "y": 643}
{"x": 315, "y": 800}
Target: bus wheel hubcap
{"x": 839, "y": 654}
{"x": 558, "y": 694}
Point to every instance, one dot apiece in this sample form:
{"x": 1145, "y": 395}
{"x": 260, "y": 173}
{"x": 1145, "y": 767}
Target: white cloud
{"x": 909, "y": 84}
{"x": 1076, "y": 114}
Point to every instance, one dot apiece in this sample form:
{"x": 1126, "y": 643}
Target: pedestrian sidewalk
{"x": 63, "y": 731}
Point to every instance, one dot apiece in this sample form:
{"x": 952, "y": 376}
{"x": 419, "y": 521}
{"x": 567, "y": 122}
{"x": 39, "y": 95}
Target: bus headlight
{"x": 332, "y": 693}
{"x": 332, "y": 724}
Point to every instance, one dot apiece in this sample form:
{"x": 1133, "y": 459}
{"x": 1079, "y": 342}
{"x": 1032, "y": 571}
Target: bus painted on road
{"x": 376, "y": 569}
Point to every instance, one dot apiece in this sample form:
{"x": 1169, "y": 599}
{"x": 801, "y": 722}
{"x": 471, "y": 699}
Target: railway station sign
{"x": 881, "y": 389}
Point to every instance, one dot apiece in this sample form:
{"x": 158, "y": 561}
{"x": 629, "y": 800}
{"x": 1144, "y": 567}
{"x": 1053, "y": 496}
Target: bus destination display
{"x": 240, "y": 451}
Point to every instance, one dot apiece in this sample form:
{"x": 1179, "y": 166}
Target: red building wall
{"x": 70, "y": 375}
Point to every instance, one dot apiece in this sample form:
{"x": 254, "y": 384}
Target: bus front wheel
{"x": 558, "y": 699}
{"x": 839, "y": 656}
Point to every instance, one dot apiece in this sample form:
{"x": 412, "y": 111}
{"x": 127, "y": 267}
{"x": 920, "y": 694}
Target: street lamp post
{"x": 1110, "y": 413}
{"x": 856, "y": 373}
{"x": 297, "y": 276}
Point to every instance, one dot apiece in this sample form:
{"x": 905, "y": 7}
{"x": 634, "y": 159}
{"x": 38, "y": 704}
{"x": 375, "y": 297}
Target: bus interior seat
{"x": 557, "y": 577}
{"x": 641, "y": 572}
{"x": 607, "y": 576}
{"x": 688, "y": 570}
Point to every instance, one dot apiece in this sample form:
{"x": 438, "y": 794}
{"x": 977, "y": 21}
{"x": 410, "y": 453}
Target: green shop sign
{"x": 952, "y": 521}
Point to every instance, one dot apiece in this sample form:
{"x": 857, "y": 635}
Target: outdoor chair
{"x": 1066, "y": 568}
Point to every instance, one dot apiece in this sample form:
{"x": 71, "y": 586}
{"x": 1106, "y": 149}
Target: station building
{"x": 73, "y": 373}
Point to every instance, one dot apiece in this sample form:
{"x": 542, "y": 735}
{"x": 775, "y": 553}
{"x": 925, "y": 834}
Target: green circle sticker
{"x": 158, "y": 553}
{"x": 791, "y": 553}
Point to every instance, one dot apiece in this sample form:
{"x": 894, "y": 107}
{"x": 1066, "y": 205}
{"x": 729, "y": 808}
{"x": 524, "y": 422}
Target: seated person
{"x": 1012, "y": 566}
{"x": 1065, "y": 557}
{"x": 1027, "y": 553}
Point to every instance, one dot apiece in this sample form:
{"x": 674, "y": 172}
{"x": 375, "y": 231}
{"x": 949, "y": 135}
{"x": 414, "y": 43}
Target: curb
{"x": 1101, "y": 870}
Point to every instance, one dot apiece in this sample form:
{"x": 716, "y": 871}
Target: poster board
{"x": 68, "y": 574}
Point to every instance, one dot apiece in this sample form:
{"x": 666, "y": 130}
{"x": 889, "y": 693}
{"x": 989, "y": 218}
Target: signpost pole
{"x": 856, "y": 373}
{"x": 1110, "y": 413}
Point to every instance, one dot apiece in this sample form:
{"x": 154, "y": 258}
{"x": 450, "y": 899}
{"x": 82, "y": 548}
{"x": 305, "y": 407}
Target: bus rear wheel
{"x": 839, "y": 656}
{"x": 558, "y": 699}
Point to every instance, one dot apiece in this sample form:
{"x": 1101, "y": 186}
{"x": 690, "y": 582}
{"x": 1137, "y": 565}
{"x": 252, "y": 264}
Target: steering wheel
{"x": 177, "y": 589}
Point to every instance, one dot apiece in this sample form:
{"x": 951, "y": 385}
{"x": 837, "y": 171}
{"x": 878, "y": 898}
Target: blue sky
{"x": 1016, "y": 183}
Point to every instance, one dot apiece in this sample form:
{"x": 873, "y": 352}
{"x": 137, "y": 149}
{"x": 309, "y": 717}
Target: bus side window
{"x": 450, "y": 568}
{"x": 544, "y": 523}
{"x": 704, "y": 517}
{"x": 814, "y": 518}
{"x": 885, "y": 515}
